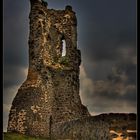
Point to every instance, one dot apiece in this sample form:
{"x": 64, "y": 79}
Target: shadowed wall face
{"x": 52, "y": 85}
{"x": 112, "y": 126}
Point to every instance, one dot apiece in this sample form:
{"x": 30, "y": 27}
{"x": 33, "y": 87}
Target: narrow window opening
{"x": 63, "y": 47}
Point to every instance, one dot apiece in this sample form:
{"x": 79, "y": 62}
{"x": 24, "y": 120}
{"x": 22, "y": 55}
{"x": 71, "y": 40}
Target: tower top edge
{"x": 45, "y": 3}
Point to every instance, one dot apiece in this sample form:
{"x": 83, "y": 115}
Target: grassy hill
{"x": 14, "y": 136}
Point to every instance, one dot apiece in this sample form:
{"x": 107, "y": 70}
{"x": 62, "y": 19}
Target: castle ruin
{"x": 51, "y": 90}
{"x": 48, "y": 102}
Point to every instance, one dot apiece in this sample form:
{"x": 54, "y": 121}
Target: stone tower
{"x": 51, "y": 89}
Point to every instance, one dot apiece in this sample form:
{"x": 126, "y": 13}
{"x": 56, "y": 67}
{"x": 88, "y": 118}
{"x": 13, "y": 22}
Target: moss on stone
{"x": 64, "y": 61}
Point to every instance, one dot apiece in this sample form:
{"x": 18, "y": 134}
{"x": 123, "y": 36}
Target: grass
{"x": 15, "y": 136}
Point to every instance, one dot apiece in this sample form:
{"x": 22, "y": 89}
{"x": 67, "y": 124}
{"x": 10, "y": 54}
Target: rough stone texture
{"x": 52, "y": 85}
{"x": 97, "y": 127}
{"x": 48, "y": 102}
{"x": 82, "y": 129}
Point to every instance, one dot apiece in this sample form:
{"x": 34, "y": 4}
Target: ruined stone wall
{"x": 100, "y": 127}
{"x": 52, "y": 85}
{"x": 48, "y": 102}
{"x": 82, "y": 129}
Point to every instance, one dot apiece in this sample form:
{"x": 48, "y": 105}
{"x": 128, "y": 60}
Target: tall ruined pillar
{"x": 51, "y": 89}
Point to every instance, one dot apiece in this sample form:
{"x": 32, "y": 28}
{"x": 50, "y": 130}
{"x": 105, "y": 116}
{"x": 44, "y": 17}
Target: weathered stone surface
{"x": 100, "y": 127}
{"x": 48, "y": 102}
{"x": 52, "y": 85}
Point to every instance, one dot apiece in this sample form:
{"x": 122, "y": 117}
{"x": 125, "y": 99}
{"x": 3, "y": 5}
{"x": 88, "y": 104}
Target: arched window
{"x": 63, "y": 47}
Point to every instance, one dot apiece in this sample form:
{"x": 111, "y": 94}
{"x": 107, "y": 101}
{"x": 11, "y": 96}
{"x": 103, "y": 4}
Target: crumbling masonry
{"x": 48, "y": 102}
{"x": 52, "y": 85}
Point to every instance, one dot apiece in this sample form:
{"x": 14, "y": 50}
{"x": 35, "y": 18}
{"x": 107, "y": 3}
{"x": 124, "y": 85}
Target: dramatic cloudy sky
{"x": 107, "y": 40}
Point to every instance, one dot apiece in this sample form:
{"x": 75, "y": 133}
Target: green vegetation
{"x": 14, "y": 136}
{"x": 64, "y": 60}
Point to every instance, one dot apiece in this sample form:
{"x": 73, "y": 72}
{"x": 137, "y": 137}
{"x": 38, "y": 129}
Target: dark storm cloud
{"x": 107, "y": 29}
{"x": 110, "y": 91}
{"x": 15, "y": 76}
{"x": 109, "y": 94}
{"x": 106, "y": 98}
{"x": 129, "y": 69}
{"x": 15, "y": 33}
{"x": 15, "y": 44}
{"x": 15, "y": 50}
{"x": 108, "y": 26}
